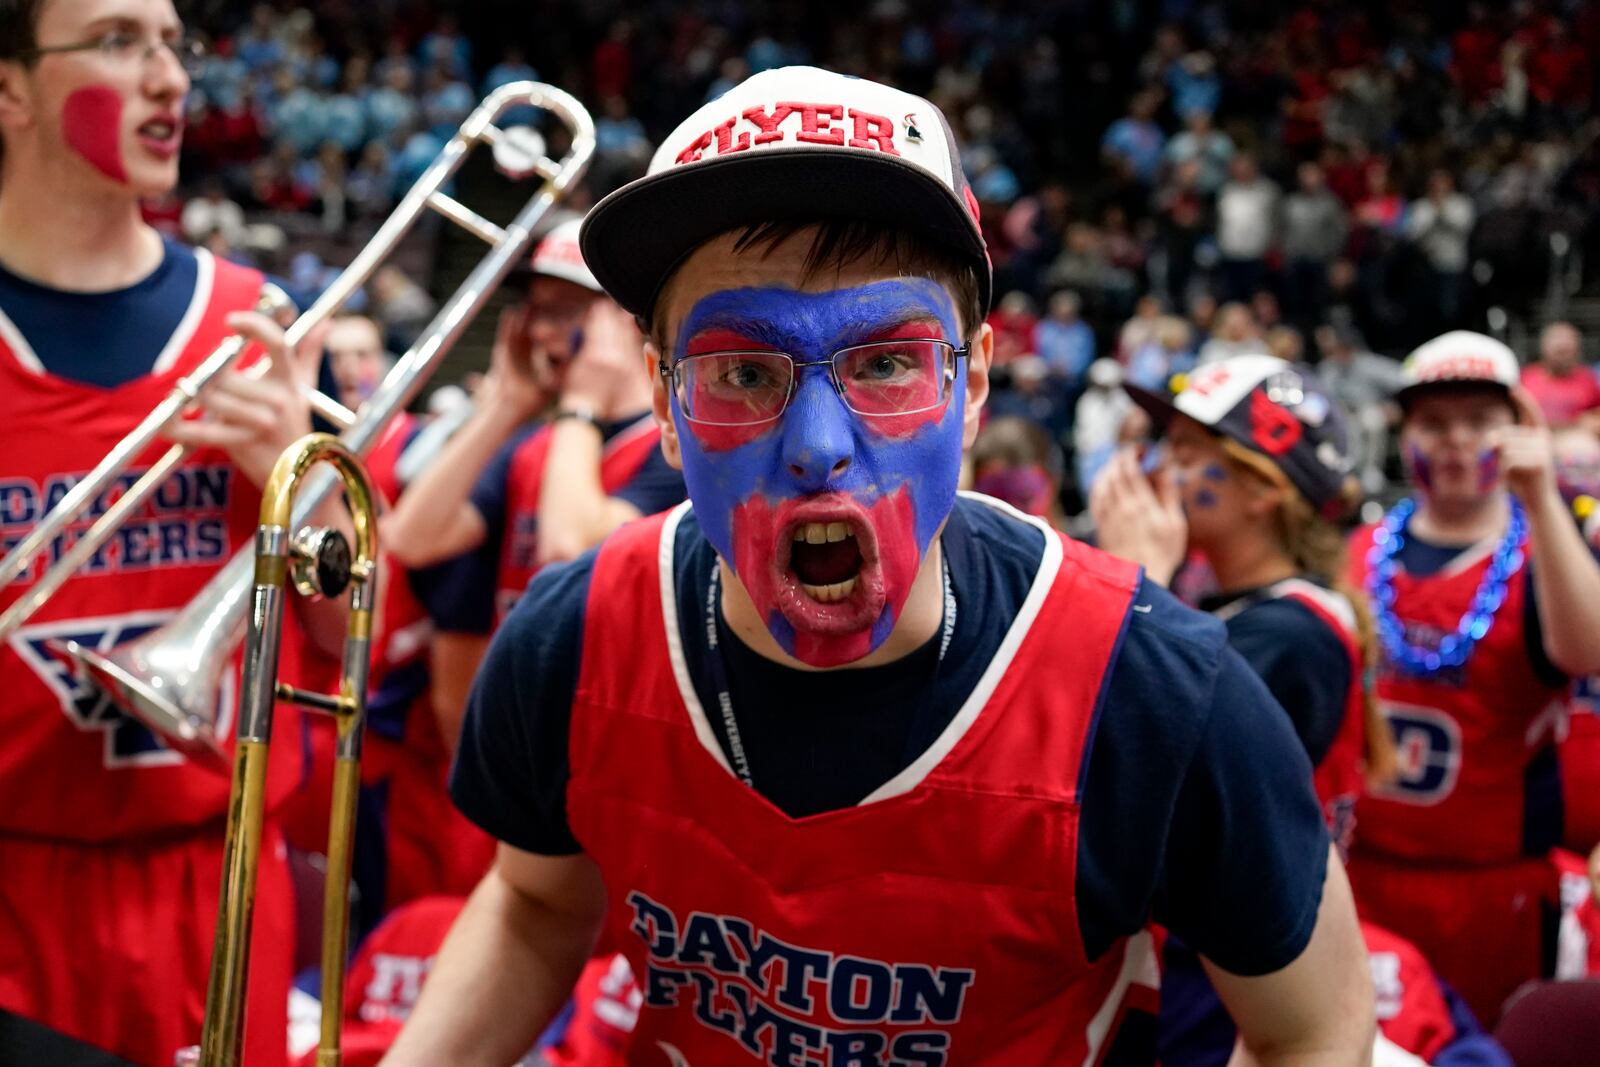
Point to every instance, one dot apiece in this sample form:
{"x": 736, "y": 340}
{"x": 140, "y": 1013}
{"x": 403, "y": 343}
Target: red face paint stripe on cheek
{"x": 91, "y": 123}
{"x": 726, "y": 438}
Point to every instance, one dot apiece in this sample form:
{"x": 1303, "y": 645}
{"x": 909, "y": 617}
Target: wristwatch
{"x": 580, "y": 412}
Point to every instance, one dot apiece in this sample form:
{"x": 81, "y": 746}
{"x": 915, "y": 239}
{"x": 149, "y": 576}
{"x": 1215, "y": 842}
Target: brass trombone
{"x": 319, "y": 563}
{"x": 171, "y": 677}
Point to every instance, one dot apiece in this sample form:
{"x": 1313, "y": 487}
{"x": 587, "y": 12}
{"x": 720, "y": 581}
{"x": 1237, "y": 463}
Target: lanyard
{"x": 719, "y": 669}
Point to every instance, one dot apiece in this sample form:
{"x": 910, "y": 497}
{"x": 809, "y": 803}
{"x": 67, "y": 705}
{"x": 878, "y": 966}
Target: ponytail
{"x": 1317, "y": 547}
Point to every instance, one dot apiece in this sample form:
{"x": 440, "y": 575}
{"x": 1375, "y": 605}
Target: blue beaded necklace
{"x": 1454, "y": 649}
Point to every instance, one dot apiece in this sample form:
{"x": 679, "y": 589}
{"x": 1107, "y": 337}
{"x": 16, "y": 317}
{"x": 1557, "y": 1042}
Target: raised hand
{"x": 1527, "y": 458}
{"x": 1139, "y": 518}
{"x": 610, "y": 356}
{"x": 253, "y": 419}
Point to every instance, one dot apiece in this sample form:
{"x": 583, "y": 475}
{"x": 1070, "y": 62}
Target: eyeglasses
{"x": 745, "y": 388}
{"x": 125, "y": 47}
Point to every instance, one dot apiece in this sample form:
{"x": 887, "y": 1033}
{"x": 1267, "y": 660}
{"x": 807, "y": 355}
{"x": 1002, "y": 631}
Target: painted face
{"x": 118, "y": 108}
{"x": 1029, "y": 489}
{"x": 1214, "y": 489}
{"x": 824, "y": 515}
{"x": 1446, "y": 444}
{"x": 556, "y": 309}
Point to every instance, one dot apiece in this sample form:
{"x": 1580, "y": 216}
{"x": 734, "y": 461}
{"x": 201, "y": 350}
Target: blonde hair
{"x": 1317, "y": 547}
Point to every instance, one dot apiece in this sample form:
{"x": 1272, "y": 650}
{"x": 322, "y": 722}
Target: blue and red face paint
{"x": 891, "y": 480}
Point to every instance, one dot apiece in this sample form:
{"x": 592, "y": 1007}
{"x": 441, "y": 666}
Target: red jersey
{"x": 1339, "y": 777}
{"x": 932, "y": 923}
{"x": 1412, "y": 1011}
{"x": 1464, "y": 736}
{"x": 621, "y": 459}
{"x": 73, "y": 766}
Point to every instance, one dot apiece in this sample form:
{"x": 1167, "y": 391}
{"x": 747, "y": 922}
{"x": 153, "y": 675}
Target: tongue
{"x": 825, "y": 564}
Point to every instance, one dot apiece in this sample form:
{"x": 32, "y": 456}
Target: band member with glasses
{"x": 1487, "y": 604}
{"x": 110, "y": 841}
{"x": 537, "y": 492}
{"x": 848, "y": 765}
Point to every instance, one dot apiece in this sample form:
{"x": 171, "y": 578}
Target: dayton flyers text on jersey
{"x": 63, "y": 736}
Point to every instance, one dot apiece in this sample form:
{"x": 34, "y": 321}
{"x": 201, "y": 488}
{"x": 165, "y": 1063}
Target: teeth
{"x": 832, "y": 593}
{"x": 820, "y": 533}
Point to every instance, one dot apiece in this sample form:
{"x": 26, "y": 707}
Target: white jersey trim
{"x": 1043, "y": 579}
{"x": 669, "y": 618}
{"x": 1334, "y": 603}
{"x": 21, "y": 350}
{"x": 919, "y": 769}
{"x": 204, "y": 278}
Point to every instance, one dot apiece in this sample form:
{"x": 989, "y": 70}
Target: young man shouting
{"x": 856, "y": 770}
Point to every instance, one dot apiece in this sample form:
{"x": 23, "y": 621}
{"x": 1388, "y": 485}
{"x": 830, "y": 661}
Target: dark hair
{"x": 838, "y": 242}
{"x": 19, "y": 23}
{"x": 19, "y": 19}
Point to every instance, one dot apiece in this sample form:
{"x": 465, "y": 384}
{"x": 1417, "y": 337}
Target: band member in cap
{"x": 110, "y": 839}
{"x": 537, "y": 492}
{"x": 1487, "y": 602}
{"x": 845, "y": 763}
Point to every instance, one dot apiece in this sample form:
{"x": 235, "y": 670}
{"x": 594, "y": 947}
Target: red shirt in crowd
{"x": 1562, "y": 399}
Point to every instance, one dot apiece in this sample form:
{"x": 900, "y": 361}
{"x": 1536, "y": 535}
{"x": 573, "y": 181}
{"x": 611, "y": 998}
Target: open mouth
{"x": 826, "y": 559}
{"x": 828, "y": 580}
{"x": 161, "y": 134}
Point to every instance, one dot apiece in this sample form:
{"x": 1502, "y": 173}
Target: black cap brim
{"x": 1158, "y": 406}
{"x": 636, "y": 236}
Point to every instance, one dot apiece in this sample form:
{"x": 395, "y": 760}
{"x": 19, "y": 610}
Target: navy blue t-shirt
{"x": 1197, "y": 812}
{"x": 1302, "y": 661}
{"x": 107, "y": 338}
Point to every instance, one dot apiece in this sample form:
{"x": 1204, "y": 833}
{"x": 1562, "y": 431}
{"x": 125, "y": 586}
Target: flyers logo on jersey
{"x": 785, "y": 1003}
{"x": 128, "y": 742}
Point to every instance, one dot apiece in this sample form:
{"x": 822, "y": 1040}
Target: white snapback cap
{"x": 788, "y": 144}
{"x": 1460, "y": 356}
{"x": 560, "y": 256}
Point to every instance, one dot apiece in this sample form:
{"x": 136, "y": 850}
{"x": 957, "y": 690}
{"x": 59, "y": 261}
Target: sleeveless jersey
{"x": 1338, "y": 778}
{"x": 73, "y": 766}
{"x": 933, "y": 923}
{"x": 1464, "y": 736}
{"x": 620, "y": 460}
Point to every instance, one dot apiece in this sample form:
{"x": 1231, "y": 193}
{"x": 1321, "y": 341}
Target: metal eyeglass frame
{"x": 669, "y": 373}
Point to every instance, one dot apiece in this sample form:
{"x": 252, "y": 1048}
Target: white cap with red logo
{"x": 560, "y": 256}
{"x": 794, "y": 143}
{"x": 1459, "y": 356}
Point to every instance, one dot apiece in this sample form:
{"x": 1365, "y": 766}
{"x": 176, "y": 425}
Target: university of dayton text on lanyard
{"x": 719, "y": 671}
{"x": 1454, "y": 649}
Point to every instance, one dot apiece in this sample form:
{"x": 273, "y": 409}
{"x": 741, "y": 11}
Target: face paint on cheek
{"x": 1488, "y": 469}
{"x": 1215, "y": 473}
{"x": 1205, "y": 499}
{"x": 1416, "y": 462}
{"x": 828, "y": 634}
{"x": 91, "y": 124}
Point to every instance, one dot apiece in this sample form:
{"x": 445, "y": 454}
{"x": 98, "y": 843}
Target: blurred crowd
{"x": 1161, "y": 182}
